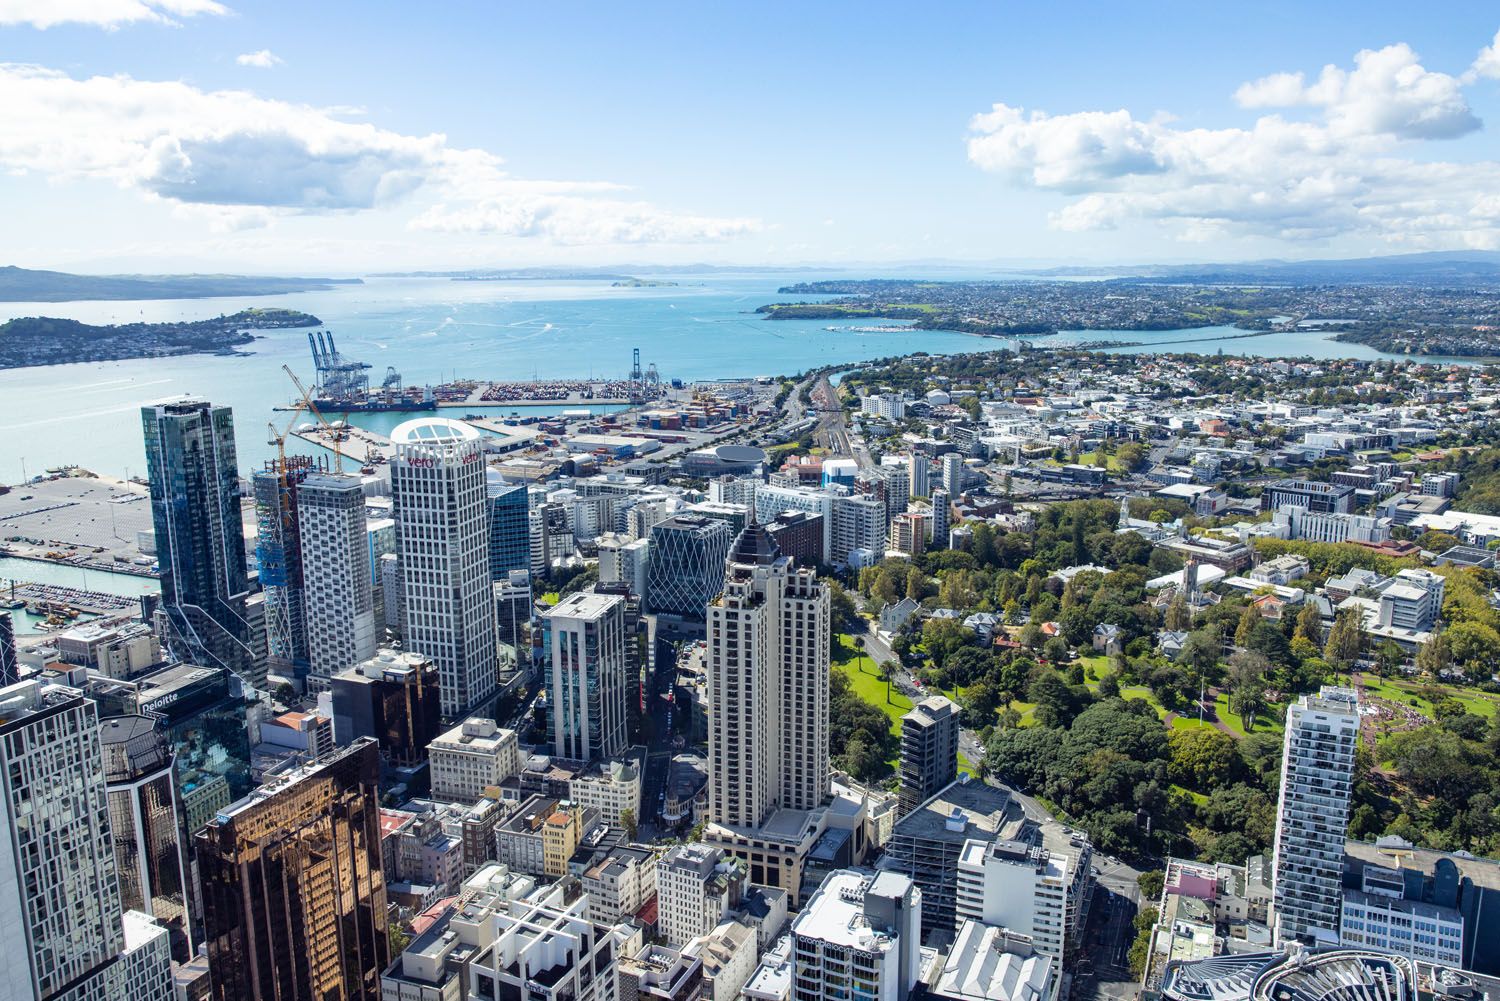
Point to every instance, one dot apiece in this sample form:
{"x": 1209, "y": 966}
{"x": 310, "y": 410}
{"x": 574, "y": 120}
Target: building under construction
{"x": 278, "y": 552}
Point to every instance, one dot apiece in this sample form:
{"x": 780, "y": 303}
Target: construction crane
{"x": 333, "y": 432}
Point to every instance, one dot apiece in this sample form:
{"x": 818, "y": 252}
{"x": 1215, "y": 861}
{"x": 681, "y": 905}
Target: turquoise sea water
{"x": 433, "y": 329}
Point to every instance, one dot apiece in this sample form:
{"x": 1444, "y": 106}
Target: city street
{"x": 1103, "y": 970}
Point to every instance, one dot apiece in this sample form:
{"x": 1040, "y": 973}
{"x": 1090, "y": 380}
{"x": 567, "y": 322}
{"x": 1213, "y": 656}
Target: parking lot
{"x": 75, "y": 515}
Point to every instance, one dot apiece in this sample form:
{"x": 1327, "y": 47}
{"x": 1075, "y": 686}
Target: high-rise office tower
{"x": 146, "y": 817}
{"x": 513, "y": 610}
{"x": 338, "y": 596}
{"x": 587, "y": 685}
{"x": 768, "y": 666}
{"x": 442, "y": 531}
{"x": 919, "y": 470}
{"x": 1312, "y": 814}
{"x": 63, "y": 932}
{"x": 509, "y": 528}
{"x": 954, "y": 473}
{"x": 294, "y": 900}
{"x": 200, "y": 541}
{"x": 686, "y": 564}
{"x": 10, "y": 664}
{"x": 278, "y": 554}
{"x": 929, "y": 751}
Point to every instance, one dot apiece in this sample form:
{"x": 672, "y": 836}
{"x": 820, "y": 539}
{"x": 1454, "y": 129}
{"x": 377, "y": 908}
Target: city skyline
{"x": 1027, "y": 138}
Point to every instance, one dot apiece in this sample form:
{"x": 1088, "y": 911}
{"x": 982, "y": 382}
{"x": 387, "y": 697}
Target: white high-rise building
{"x": 63, "y": 931}
{"x": 860, "y": 927}
{"x": 858, "y": 526}
{"x": 587, "y": 683}
{"x": 919, "y": 470}
{"x": 889, "y": 406}
{"x": 442, "y": 533}
{"x": 954, "y": 473}
{"x": 941, "y": 518}
{"x": 1312, "y": 815}
{"x": 1030, "y": 889}
{"x": 696, "y": 885}
{"x": 338, "y": 597}
{"x": 623, "y": 560}
{"x": 768, "y": 664}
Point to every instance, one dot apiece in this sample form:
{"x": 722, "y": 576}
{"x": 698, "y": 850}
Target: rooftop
{"x": 985, "y": 812}
{"x": 1393, "y": 853}
{"x": 836, "y": 913}
{"x": 988, "y": 962}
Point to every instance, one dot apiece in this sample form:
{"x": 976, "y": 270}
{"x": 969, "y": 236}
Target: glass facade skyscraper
{"x": 294, "y": 897}
{"x": 685, "y": 568}
{"x": 510, "y": 537}
{"x": 145, "y": 814}
{"x": 587, "y": 684}
{"x": 200, "y": 542}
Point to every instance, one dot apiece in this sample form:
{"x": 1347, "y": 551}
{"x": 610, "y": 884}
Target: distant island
{"x": 25, "y": 285}
{"x": 49, "y": 340}
{"x": 642, "y": 283}
{"x": 513, "y": 275}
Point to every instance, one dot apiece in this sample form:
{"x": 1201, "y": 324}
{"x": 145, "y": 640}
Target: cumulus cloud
{"x": 1348, "y": 170}
{"x": 245, "y": 159}
{"x": 1387, "y": 93}
{"x": 102, "y": 13}
{"x": 264, "y": 59}
{"x": 1487, "y": 63}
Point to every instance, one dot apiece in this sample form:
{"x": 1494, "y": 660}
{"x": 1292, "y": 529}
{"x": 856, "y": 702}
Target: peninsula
{"x": 50, "y": 340}
{"x": 26, "y": 285}
{"x": 1399, "y": 317}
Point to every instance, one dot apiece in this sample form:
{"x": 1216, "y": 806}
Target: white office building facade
{"x": 442, "y": 529}
{"x": 338, "y": 597}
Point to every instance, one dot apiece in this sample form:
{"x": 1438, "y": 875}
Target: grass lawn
{"x": 859, "y": 668}
{"x": 1142, "y": 692}
{"x": 965, "y": 766}
{"x": 1197, "y": 797}
{"x": 551, "y": 597}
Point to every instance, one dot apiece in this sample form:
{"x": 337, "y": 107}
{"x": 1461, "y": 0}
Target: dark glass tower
{"x": 200, "y": 542}
{"x": 510, "y": 528}
{"x": 145, "y": 815}
{"x": 294, "y": 901}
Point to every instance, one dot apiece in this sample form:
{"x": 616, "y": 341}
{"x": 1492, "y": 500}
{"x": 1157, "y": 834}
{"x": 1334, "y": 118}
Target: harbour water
{"x": 38, "y": 572}
{"x": 432, "y": 330}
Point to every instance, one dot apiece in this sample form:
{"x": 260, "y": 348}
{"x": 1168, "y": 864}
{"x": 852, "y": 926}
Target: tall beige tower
{"x": 768, "y": 670}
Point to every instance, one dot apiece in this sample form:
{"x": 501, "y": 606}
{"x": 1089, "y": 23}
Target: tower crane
{"x": 333, "y": 432}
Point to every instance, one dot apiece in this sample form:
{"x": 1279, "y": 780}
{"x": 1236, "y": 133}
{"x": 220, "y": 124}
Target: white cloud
{"x": 1387, "y": 93}
{"x": 1487, "y": 63}
{"x": 248, "y": 159}
{"x": 264, "y": 59}
{"x": 102, "y": 13}
{"x": 1348, "y": 171}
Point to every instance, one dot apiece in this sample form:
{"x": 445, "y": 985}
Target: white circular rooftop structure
{"x": 433, "y": 431}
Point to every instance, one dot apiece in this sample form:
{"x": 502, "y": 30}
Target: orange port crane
{"x": 334, "y": 434}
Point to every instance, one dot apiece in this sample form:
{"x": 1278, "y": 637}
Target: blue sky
{"x": 331, "y": 137}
